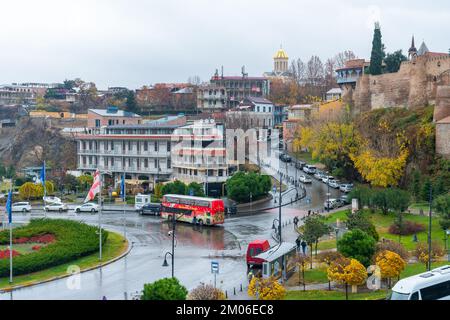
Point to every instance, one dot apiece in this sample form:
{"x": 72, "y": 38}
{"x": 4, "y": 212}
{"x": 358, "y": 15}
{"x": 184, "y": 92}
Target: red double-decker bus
{"x": 197, "y": 210}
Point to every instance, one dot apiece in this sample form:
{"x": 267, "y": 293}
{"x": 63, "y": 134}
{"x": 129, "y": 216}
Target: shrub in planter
{"x": 73, "y": 240}
{"x": 407, "y": 228}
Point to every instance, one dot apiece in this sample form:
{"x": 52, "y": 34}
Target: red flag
{"x": 95, "y": 188}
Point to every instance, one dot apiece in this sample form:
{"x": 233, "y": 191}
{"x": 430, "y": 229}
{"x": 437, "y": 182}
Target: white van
{"x": 141, "y": 200}
{"x": 309, "y": 169}
{"x": 433, "y": 285}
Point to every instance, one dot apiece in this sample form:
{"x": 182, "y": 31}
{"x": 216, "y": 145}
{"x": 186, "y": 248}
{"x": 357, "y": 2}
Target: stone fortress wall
{"x": 414, "y": 85}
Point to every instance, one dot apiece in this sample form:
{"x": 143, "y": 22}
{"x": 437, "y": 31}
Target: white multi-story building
{"x": 142, "y": 152}
{"x": 199, "y": 155}
{"x": 211, "y": 98}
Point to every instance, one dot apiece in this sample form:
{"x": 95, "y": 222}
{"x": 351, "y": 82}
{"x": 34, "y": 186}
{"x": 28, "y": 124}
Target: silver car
{"x": 346, "y": 188}
{"x": 21, "y": 207}
{"x": 60, "y": 207}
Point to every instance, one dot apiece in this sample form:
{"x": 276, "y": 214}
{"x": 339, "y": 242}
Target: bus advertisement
{"x": 195, "y": 210}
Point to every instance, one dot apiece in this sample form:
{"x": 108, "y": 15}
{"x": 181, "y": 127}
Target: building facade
{"x": 211, "y": 98}
{"x": 252, "y": 112}
{"x": 111, "y": 116}
{"x": 142, "y": 152}
{"x": 199, "y": 155}
{"x": 239, "y": 88}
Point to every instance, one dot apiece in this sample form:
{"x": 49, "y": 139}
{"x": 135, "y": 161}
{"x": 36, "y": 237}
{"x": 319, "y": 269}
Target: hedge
{"x": 73, "y": 240}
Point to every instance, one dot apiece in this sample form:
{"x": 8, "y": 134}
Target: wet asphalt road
{"x": 196, "y": 248}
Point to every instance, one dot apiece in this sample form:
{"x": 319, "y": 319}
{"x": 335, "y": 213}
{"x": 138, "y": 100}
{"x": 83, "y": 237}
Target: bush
{"x": 359, "y": 220}
{"x": 164, "y": 289}
{"x": 73, "y": 240}
{"x": 407, "y": 228}
{"x": 393, "y": 246}
{"x": 358, "y": 245}
{"x": 206, "y": 292}
{"x": 421, "y": 252}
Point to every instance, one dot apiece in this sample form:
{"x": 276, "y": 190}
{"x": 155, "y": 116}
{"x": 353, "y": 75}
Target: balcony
{"x": 344, "y": 80}
{"x": 200, "y": 178}
{"x": 133, "y": 153}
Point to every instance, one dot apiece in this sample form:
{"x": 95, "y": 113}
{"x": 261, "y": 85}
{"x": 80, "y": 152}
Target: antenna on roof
{"x": 243, "y": 72}
{"x": 222, "y": 71}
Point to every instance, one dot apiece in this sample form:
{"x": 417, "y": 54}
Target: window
{"x": 156, "y": 146}
{"x": 436, "y": 291}
{"x": 168, "y": 146}
{"x": 145, "y": 146}
{"x": 414, "y": 296}
{"x": 146, "y": 163}
{"x": 110, "y": 122}
{"x": 97, "y": 123}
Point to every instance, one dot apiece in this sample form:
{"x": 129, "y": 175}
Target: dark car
{"x": 299, "y": 165}
{"x": 345, "y": 199}
{"x": 151, "y": 209}
{"x": 286, "y": 158}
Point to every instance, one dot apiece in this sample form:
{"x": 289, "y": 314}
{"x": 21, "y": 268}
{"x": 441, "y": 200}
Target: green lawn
{"x": 416, "y": 268}
{"x": 306, "y": 157}
{"x": 114, "y": 247}
{"x": 333, "y": 295}
{"x": 382, "y": 223}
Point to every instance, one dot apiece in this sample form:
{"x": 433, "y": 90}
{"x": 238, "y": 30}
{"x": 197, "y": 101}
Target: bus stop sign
{"x": 214, "y": 267}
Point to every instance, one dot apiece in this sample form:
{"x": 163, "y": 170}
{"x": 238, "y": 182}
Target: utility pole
{"x": 279, "y": 208}
{"x": 100, "y": 209}
{"x": 429, "y": 228}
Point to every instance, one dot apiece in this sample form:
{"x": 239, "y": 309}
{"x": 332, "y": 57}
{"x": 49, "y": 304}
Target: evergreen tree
{"x": 425, "y": 192}
{"x": 415, "y": 184}
{"x": 378, "y": 54}
{"x": 131, "y": 104}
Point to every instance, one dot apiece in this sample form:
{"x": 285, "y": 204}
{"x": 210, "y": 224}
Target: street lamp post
{"x": 328, "y": 197}
{"x": 429, "y": 230}
{"x": 279, "y": 208}
{"x": 172, "y": 254}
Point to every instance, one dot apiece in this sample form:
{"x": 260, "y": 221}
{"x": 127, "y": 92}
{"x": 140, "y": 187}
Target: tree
{"x": 442, "y": 206}
{"x": 377, "y": 56}
{"x": 391, "y": 265}
{"x": 358, "y": 245}
{"x": 342, "y": 57}
{"x": 421, "y": 252}
{"x": 381, "y": 171}
{"x": 28, "y": 191}
{"x": 348, "y": 272}
{"x": 131, "y": 104}
{"x": 176, "y": 187}
{"x": 426, "y": 187}
{"x": 358, "y": 220}
{"x": 266, "y": 289}
{"x": 394, "y": 60}
{"x": 328, "y": 257}
{"x": 196, "y": 188}
{"x": 314, "y": 227}
{"x": 85, "y": 181}
{"x": 241, "y": 186}
{"x": 302, "y": 261}
{"x": 164, "y": 289}
{"x": 314, "y": 71}
{"x": 415, "y": 184}
{"x": 159, "y": 190}
{"x": 206, "y": 292}
{"x": 389, "y": 245}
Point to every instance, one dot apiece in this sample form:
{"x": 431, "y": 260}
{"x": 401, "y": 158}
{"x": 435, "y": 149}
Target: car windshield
{"x": 399, "y": 296}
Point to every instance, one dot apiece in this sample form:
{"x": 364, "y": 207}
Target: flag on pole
{"x": 95, "y": 188}
{"x": 42, "y": 178}
{"x": 9, "y": 206}
{"x": 122, "y": 188}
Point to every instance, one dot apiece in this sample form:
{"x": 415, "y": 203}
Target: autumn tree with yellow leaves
{"x": 391, "y": 265}
{"x": 266, "y": 289}
{"x": 348, "y": 272}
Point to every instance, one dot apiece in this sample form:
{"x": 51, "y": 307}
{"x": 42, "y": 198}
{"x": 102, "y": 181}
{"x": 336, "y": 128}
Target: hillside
{"x": 35, "y": 140}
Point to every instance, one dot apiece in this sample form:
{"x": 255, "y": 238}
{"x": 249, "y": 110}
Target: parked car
{"x": 327, "y": 179}
{"x": 319, "y": 175}
{"x": 151, "y": 208}
{"x": 330, "y": 204}
{"x": 60, "y": 207}
{"x": 87, "y": 207}
{"x": 300, "y": 164}
{"x": 346, "y": 187}
{"x": 309, "y": 169}
{"x": 334, "y": 184}
{"x": 345, "y": 199}
{"x": 286, "y": 158}
{"x": 21, "y": 207}
{"x": 305, "y": 179}
{"x": 339, "y": 203}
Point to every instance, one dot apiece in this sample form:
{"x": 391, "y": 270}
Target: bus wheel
{"x": 200, "y": 222}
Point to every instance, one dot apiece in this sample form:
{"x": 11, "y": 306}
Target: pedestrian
{"x": 309, "y": 213}
{"x": 303, "y": 244}
{"x": 298, "y": 243}
{"x": 296, "y": 221}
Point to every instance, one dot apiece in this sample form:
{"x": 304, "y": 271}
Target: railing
{"x": 340, "y": 80}
{"x": 149, "y": 154}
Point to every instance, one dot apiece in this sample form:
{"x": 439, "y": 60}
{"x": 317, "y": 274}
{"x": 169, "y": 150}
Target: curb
{"x": 130, "y": 246}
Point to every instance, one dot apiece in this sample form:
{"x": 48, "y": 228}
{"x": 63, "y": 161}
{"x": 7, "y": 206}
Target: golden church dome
{"x": 281, "y": 54}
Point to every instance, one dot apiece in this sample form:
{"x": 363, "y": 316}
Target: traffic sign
{"x": 214, "y": 267}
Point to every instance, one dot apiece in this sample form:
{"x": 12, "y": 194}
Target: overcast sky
{"x": 136, "y": 42}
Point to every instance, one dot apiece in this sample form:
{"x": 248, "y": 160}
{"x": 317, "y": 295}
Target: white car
{"x": 334, "y": 184}
{"x": 21, "y": 207}
{"x": 309, "y": 169}
{"x": 60, "y": 207}
{"x": 346, "y": 187}
{"x": 327, "y": 179}
{"x": 305, "y": 179}
{"x": 331, "y": 204}
{"x": 87, "y": 207}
